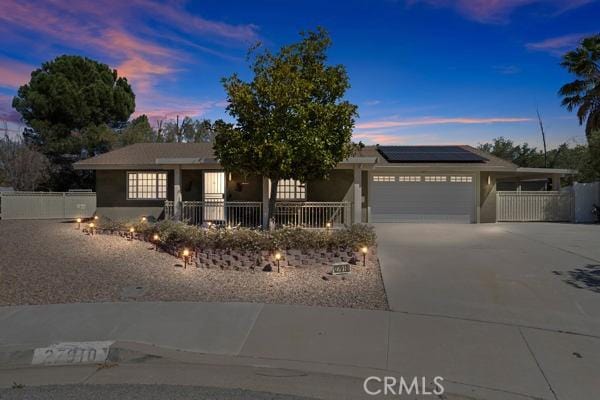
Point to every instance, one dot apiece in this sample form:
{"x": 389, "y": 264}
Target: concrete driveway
{"x": 531, "y": 274}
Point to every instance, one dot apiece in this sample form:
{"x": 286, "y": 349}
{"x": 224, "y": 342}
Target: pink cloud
{"x": 122, "y": 34}
{"x": 398, "y": 139}
{"x": 386, "y": 124}
{"x": 557, "y": 45}
{"x": 14, "y": 73}
{"x": 498, "y": 11}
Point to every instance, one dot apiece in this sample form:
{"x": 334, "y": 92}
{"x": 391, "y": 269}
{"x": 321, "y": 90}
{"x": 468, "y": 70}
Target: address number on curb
{"x": 72, "y": 353}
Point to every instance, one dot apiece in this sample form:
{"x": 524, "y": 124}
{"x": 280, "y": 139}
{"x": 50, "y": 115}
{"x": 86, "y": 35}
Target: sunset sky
{"x": 422, "y": 71}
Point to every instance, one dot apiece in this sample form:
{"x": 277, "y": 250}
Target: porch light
{"x": 78, "y": 223}
{"x": 229, "y": 176}
{"x": 278, "y": 258}
{"x": 186, "y": 254}
{"x": 364, "y": 250}
{"x": 489, "y": 179}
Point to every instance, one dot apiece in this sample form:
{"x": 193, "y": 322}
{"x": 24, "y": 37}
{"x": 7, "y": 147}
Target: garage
{"x": 449, "y": 198}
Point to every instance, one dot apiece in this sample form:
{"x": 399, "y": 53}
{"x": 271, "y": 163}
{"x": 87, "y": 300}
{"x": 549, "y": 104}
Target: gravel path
{"x": 48, "y": 262}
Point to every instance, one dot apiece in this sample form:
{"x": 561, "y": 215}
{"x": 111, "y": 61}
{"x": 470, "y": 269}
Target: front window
{"x": 147, "y": 185}
{"x": 290, "y": 189}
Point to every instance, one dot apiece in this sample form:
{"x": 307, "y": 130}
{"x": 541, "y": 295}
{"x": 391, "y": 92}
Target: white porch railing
{"x": 312, "y": 214}
{"x": 249, "y": 213}
{"x": 233, "y": 213}
{"x": 534, "y": 206}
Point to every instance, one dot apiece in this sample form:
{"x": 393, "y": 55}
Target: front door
{"x": 214, "y": 196}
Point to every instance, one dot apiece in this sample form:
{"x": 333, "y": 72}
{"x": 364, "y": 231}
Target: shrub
{"x": 178, "y": 234}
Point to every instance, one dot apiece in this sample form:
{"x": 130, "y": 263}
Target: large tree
{"x": 583, "y": 93}
{"x": 21, "y": 167}
{"x": 68, "y": 105}
{"x": 291, "y": 119}
{"x": 137, "y": 130}
{"x": 521, "y": 154}
{"x": 188, "y": 131}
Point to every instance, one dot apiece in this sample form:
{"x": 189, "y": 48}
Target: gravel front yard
{"x": 47, "y": 262}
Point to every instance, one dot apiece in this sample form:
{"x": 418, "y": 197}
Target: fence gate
{"x": 47, "y": 205}
{"x": 534, "y": 206}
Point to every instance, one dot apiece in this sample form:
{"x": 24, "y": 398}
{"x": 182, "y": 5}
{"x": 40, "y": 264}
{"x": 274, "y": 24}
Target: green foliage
{"x": 138, "y": 130}
{"x": 583, "y": 93}
{"x": 70, "y": 94}
{"x": 189, "y": 131}
{"x": 523, "y": 155}
{"x": 178, "y": 234}
{"x": 579, "y": 157}
{"x": 292, "y": 121}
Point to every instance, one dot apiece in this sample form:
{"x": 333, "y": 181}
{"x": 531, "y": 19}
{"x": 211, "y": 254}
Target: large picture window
{"x": 147, "y": 185}
{"x": 290, "y": 189}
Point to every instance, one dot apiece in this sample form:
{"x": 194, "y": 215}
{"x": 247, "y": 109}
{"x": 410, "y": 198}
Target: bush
{"x": 178, "y": 234}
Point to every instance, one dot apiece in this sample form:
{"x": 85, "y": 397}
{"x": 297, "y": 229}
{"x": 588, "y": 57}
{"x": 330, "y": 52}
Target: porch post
{"x": 177, "y": 192}
{"x": 556, "y": 182}
{"x": 265, "y": 202}
{"x": 357, "y": 209}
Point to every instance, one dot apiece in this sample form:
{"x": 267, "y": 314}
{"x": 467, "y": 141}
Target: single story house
{"x": 454, "y": 183}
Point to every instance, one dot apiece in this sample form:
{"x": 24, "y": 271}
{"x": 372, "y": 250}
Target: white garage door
{"x": 423, "y": 198}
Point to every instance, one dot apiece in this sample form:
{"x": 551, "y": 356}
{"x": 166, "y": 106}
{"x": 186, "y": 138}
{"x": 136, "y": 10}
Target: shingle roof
{"x": 148, "y": 153}
{"x": 371, "y": 151}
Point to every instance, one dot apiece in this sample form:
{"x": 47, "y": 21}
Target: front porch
{"x": 212, "y": 196}
{"x": 249, "y": 214}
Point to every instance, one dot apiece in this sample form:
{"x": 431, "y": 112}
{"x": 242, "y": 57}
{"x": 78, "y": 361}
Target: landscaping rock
{"x": 267, "y": 268}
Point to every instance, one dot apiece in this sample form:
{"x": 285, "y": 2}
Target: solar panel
{"x": 434, "y": 154}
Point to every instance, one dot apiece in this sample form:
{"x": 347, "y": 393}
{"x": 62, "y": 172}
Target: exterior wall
{"x": 337, "y": 188}
{"x": 365, "y": 195}
{"x": 241, "y": 188}
{"x": 111, "y": 196}
{"x": 487, "y": 198}
{"x": 191, "y": 184}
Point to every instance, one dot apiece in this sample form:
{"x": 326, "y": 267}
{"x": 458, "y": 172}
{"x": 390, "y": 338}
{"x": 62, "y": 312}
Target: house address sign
{"x": 341, "y": 268}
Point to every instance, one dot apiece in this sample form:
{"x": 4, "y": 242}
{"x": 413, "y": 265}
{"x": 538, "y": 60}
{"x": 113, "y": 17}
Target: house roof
{"x": 150, "y": 154}
{"x": 489, "y": 161}
{"x": 159, "y": 154}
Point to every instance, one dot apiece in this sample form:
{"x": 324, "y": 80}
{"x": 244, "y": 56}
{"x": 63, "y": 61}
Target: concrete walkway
{"x": 479, "y": 359}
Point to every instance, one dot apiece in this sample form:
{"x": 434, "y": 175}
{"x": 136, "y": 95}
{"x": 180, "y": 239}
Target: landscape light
{"x": 328, "y": 225}
{"x": 156, "y": 238}
{"x": 131, "y": 231}
{"x": 186, "y": 254}
{"x": 364, "y": 250}
{"x": 95, "y": 217}
{"x": 78, "y": 223}
{"x": 278, "y": 257}
{"x": 144, "y": 219}
{"x": 91, "y": 225}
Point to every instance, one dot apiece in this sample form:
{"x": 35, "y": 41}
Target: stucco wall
{"x": 241, "y": 188}
{"x": 337, "y": 188}
{"x": 111, "y": 190}
{"x": 487, "y": 198}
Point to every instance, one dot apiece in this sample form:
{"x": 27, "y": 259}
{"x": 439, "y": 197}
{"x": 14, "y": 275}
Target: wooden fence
{"x": 47, "y": 205}
{"x": 534, "y": 206}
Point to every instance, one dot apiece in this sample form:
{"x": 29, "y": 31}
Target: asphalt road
{"x": 136, "y": 392}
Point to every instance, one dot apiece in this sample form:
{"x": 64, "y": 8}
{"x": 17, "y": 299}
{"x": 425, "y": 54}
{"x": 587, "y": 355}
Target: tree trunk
{"x": 272, "y": 199}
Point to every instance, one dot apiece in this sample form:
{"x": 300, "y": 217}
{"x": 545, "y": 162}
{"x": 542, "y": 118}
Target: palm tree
{"x": 584, "y": 92}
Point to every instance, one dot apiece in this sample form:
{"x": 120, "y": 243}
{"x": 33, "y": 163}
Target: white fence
{"x": 47, "y": 205}
{"x": 586, "y": 195}
{"x": 534, "y": 206}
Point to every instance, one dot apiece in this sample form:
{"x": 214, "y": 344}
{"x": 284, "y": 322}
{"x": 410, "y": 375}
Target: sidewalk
{"x": 480, "y": 359}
